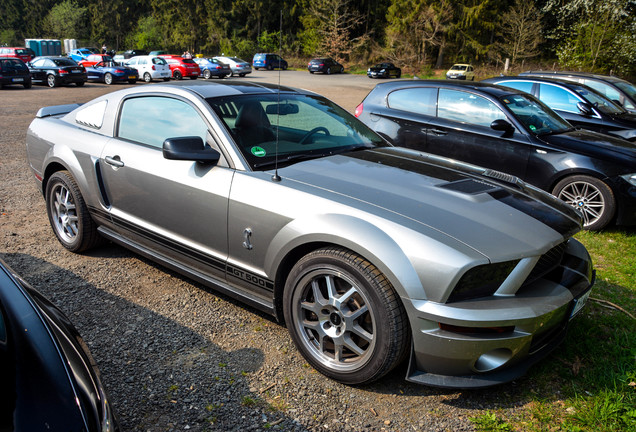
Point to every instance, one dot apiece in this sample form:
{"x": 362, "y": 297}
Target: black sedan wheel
{"x": 591, "y": 196}
{"x": 50, "y": 80}
{"x": 68, "y": 214}
{"x": 108, "y": 79}
{"x": 344, "y": 316}
{"x": 328, "y": 71}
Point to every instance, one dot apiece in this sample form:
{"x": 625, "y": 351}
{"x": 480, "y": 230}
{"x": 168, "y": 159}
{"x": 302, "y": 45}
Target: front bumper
{"x": 457, "y": 77}
{"x": 496, "y": 339}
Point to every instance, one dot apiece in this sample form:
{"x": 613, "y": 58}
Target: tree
{"x": 331, "y": 25}
{"x": 67, "y": 20}
{"x": 521, "y": 30}
{"x": 414, "y": 28}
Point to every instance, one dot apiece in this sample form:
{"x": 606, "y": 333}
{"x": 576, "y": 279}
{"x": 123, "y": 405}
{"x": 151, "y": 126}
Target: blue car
{"x": 81, "y": 53}
{"x": 268, "y": 61}
{"x": 213, "y": 68}
{"x": 111, "y": 72}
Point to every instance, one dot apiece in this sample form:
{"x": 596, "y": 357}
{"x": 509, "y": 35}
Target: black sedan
{"x": 509, "y": 130}
{"x": 55, "y": 71}
{"x": 326, "y": 65}
{"x": 111, "y": 72}
{"x": 14, "y": 71}
{"x": 577, "y": 103}
{"x": 48, "y": 378}
{"x": 384, "y": 70}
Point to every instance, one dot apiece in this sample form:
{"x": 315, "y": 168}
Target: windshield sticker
{"x": 533, "y": 128}
{"x": 258, "y": 151}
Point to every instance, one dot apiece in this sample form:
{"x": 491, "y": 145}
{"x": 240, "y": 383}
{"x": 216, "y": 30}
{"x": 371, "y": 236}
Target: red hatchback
{"x": 20, "y": 53}
{"x": 93, "y": 59}
{"x": 182, "y": 67}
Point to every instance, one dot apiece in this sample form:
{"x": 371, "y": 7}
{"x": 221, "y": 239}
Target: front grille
{"x": 548, "y": 262}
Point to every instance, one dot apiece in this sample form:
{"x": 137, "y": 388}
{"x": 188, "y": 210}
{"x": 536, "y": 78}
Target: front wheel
{"x": 68, "y": 213}
{"x": 591, "y": 196}
{"x": 344, "y": 316}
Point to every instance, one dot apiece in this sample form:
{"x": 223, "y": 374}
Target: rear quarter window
{"x": 416, "y": 100}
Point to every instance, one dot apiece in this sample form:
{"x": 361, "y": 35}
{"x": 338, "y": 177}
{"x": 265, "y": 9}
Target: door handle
{"x": 438, "y": 132}
{"x": 114, "y": 161}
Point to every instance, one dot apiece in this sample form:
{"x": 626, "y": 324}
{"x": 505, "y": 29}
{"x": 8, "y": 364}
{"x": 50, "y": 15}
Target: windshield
{"x": 627, "y": 87}
{"x": 599, "y": 101}
{"x": 304, "y": 126}
{"x": 537, "y": 117}
{"x": 458, "y": 68}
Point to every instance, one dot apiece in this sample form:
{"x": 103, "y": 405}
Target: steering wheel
{"x": 313, "y": 131}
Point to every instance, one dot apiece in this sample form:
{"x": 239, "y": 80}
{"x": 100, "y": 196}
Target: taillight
{"x": 218, "y": 67}
{"x": 153, "y": 67}
{"x": 63, "y": 71}
{"x": 358, "y": 110}
{"x": 119, "y": 71}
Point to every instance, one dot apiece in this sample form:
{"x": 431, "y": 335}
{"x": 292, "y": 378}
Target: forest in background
{"x": 418, "y": 35}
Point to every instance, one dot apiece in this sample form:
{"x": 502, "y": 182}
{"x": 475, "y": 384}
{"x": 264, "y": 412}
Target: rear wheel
{"x": 270, "y": 67}
{"x": 147, "y": 77}
{"x": 591, "y": 196}
{"x": 329, "y": 71}
{"x": 193, "y": 77}
{"x": 108, "y": 79}
{"x": 207, "y": 74}
{"x": 241, "y": 75}
{"x": 344, "y": 316}
{"x": 27, "y": 85}
{"x": 132, "y": 81}
{"x": 50, "y": 80}
{"x": 68, "y": 214}
{"x": 80, "y": 83}
{"x": 177, "y": 75}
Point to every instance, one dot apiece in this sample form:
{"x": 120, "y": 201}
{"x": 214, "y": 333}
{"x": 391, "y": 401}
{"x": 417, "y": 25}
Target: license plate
{"x": 76, "y": 71}
{"x": 579, "y": 303}
{"x": 17, "y": 79}
{"x": 132, "y": 77}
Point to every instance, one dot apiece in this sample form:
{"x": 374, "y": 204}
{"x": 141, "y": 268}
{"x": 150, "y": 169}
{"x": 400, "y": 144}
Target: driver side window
{"x": 150, "y": 120}
{"x": 468, "y": 108}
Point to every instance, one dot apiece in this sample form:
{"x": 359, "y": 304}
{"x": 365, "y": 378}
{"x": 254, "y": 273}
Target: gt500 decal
{"x": 251, "y": 278}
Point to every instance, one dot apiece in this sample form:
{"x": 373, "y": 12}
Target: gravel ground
{"x": 176, "y": 356}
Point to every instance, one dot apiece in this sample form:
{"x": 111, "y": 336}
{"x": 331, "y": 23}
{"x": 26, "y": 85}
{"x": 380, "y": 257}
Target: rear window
{"x": 12, "y": 65}
{"x": 64, "y": 62}
{"x": 416, "y": 100}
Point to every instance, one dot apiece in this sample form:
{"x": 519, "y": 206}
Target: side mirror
{"x": 585, "y": 108}
{"x": 189, "y": 149}
{"x": 501, "y": 125}
{"x": 617, "y": 102}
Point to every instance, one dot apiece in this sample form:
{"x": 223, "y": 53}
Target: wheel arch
{"x": 301, "y": 237}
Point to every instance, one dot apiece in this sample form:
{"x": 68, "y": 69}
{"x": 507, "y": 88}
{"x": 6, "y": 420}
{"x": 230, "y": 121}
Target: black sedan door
{"x": 462, "y": 130}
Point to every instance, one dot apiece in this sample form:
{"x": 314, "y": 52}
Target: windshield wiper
{"x": 290, "y": 158}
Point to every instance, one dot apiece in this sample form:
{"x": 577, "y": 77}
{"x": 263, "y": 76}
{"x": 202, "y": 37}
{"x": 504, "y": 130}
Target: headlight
{"x": 630, "y": 178}
{"x": 481, "y": 281}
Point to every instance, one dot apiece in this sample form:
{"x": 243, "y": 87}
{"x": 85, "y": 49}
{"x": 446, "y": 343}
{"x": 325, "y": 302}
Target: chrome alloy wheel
{"x": 64, "y": 213}
{"x": 587, "y": 198}
{"x": 335, "y": 319}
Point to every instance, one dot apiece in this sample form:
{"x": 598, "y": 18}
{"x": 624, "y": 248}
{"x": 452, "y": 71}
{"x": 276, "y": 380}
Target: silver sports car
{"x": 371, "y": 254}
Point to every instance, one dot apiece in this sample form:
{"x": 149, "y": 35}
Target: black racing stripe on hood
{"x": 563, "y": 220}
{"x": 413, "y": 165}
{"x": 540, "y": 211}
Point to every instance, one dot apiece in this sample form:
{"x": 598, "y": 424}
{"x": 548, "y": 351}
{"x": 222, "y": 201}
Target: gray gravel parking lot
{"x": 176, "y": 356}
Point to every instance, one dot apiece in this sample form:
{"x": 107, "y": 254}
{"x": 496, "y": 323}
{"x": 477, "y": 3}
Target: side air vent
{"x": 498, "y": 175}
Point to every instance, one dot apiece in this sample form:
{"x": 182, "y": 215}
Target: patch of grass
{"x": 249, "y": 401}
{"x": 489, "y": 421}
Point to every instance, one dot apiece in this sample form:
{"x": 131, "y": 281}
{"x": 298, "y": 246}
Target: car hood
{"x": 594, "y": 144}
{"x": 427, "y": 192}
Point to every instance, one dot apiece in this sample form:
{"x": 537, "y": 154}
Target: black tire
{"x": 311, "y": 72}
{"x": 108, "y": 79}
{"x": 80, "y": 83}
{"x": 147, "y": 77}
{"x": 27, "y": 85}
{"x": 166, "y": 79}
{"x": 284, "y": 67}
{"x": 207, "y": 74}
{"x": 68, "y": 214}
{"x": 241, "y": 75}
{"x": 193, "y": 77}
{"x": 132, "y": 81}
{"x": 399, "y": 75}
{"x": 177, "y": 75}
{"x": 50, "y": 80}
{"x": 369, "y": 330}
{"x": 594, "y": 198}
{"x": 341, "y": 69}
{"x": 270, "y": 67}
{"x": 328, "y": 71}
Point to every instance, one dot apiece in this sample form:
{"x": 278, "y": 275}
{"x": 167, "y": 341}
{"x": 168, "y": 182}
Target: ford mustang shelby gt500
{"x": 371, "y": 254}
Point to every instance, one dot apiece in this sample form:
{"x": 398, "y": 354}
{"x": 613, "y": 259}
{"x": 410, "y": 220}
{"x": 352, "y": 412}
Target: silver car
{"x": 370, "y": 254}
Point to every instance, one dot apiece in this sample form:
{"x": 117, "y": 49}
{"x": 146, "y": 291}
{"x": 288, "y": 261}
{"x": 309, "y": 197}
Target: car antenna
{"x": 276, "y": 177}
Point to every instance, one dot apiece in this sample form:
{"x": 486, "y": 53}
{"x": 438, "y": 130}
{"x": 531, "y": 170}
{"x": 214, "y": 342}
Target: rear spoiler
{"x": 56, "y": 110}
